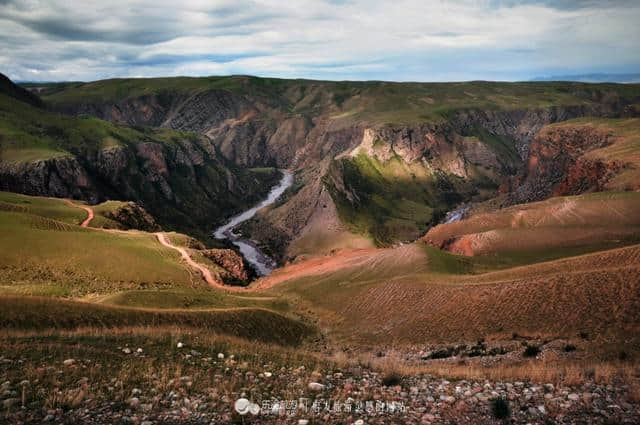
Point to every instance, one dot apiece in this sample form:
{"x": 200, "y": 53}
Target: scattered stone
{"x": 221, "y": 356}
{"x": 573, "y": 397}
{"x": 68, "y": 362}
{"x": 126, "y": 350}
{"x": 180, "y": 345}
{"x": 315, "y": 386}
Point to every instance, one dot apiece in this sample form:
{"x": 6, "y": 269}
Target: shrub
{"x": 442, "y": 353}
{"x": 500, "y": 408}
{"x": 531, "y": 351}
{"x": 391, "y": 379}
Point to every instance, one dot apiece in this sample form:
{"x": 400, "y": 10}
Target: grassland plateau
{"x": 117, "y": 307}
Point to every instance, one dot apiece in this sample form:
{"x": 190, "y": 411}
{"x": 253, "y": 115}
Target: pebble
{"x": 180, "y": 345}
{"x": 68, "y": 362}
{"x": 315, "y": 386}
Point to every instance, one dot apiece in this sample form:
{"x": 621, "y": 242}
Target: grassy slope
{"x": 418, "y": 293}
{"x": 379, "y": 102}
{"x": 32, "y": 313}
{"x": 44, "y": 252}
{"x": 442, "y": 298}
{"x": 30, "y": 134}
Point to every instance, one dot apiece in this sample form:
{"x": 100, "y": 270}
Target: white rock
{"x": 242, "y": 406}
{"x": 542, "y": 409}
{"x": 180, "y": 345}
{"x": 220, "y": 356}
{"x": 573, "y": 397}
{"x": 303, "y": 421}
{"x": 139, "y": 351}
{"x": 268, "y": 374}
{"x": 126, "y": 350}
{"x": 68, "y": 362}
{"x": 315, "y": 386}
{"x": 359, "y": 422}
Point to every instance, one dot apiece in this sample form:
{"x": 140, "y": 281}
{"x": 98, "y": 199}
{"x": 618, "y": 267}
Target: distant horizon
{"x": 569, "y": 78}
{"x": 327, "y": 40}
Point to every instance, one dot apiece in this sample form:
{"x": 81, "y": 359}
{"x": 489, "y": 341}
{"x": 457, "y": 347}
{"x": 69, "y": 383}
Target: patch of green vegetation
{"x": 502, "y": 146}
{"x": 56, "y": 209}
{"x": 391, "y": 201}
{"x": 444, "y": 262}
{"x": 193, "y": 299}
{"x": 36, "y": 250}
{"x": 29, "y": 134}
{"x": 101, "y": 211}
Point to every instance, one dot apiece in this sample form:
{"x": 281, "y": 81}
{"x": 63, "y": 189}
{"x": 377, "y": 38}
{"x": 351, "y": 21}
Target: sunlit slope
{"x": 590, "y": 221}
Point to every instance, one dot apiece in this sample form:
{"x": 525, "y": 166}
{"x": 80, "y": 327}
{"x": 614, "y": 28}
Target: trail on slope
{"x": 206, "y": 274}
{"x": 87, "y": 208}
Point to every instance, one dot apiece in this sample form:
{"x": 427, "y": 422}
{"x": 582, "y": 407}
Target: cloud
{"x": 334, "y": 39}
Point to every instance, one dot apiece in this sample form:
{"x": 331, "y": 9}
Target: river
{"x": 254, "y": 256}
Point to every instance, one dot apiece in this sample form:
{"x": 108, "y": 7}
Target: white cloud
{"x": 401, "y": 40}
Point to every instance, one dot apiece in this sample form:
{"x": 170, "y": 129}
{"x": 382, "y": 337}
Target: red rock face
{"x": 557, "y": 164}
{"x": 586, "y": 175}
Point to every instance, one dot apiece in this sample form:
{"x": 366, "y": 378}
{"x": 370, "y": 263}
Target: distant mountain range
{"x": 594, "y": 78}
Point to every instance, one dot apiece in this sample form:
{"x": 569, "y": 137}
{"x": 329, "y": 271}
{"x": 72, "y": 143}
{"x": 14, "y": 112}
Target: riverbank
{"x": 261, "y": 262}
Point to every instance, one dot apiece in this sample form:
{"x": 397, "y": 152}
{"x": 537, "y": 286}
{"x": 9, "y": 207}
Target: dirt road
{"x": 206, "y": 274}
{"x": 87, "y": 208}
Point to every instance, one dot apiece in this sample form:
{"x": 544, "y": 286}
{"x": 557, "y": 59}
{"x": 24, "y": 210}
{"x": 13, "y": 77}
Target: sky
{"x": 397, "y": 40}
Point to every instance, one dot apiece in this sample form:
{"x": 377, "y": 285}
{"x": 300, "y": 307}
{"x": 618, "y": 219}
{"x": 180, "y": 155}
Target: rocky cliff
{"x": 180, "y": 178}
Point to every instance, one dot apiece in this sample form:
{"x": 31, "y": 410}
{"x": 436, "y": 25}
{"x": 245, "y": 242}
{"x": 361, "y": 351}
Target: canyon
{"x": 375, "y": 163}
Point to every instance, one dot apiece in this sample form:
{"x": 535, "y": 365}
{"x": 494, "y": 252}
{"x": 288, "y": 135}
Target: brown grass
{"x": 597, "y": 293}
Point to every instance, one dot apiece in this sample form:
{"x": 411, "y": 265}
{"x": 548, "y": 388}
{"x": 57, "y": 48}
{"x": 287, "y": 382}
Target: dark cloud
{"x": 65, "y": 29}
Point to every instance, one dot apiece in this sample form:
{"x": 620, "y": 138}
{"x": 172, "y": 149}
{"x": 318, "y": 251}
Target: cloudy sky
{"x": 402, "y": 40}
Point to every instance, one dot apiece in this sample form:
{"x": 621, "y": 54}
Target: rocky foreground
{"x": 74, "y": 391}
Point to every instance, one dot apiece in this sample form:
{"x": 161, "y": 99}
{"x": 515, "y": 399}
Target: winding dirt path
{"x": 206, "y": 273}
{"x": 87, "y": 208}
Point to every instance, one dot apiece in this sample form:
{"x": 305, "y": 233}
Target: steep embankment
{"x": 358, "y": 147}
{"x": 179, "y": 177}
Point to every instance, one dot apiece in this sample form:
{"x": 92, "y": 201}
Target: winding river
{"x": 258, "y": 259}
